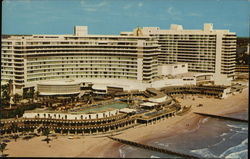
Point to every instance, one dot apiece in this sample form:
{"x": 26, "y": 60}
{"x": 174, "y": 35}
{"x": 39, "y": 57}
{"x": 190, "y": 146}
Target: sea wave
{"x": 223, "y": 134}
{"x": 204, "y": 153}
{"x": 237, "y": 133}
{"x": 222, "y": 140}
{"x": 205, "y": 120}
{"x": 154, "y": 156}
{"x": 238, "y": 148}
{"x": 130, "y": 148}
{"x": 162, "y": 144}
{"x": 246, "y": 128}
{"x": 242, "y": 127}
{"x": 197, "y": 127}
{"x": 241, "y": 154}
{"x": 122, "y": 153}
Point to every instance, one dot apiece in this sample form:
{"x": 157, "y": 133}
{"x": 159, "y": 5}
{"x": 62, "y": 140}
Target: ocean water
{"x": 213, "y": 138}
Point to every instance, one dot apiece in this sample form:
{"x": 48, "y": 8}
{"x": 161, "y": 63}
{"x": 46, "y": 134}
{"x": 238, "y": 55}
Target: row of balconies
{"x": 79, "y": 43}
{"x": 80, "y": 76}
{"x": 74, "y": 67}
{"x": 82, "y": 72}
{"x": 188, "y": 42}
{"x": 81, "y": 69}
{"x": 120, "y": 42}
{"x": 84, "y": 65}
{"x": 81, "y": 49}
{"x": 53, "y": 58}
{"x": 82, "y": 60}
{"x": 63, "y": 53}
{"x": 15, "y": 81}
{"x": 74, "y": 45}
{"x": 228, "y": 68}
{"x": 146, "y": 46}
{"x": 196, "y": 46}
{"x": 7, "y": 68}
{"x": 197, "y": 58}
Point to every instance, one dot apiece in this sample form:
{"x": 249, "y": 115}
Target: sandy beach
{"x": 99, "y": 146}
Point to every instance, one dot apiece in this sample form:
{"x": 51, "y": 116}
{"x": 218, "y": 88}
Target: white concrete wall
{"x": 218, "y": 53}
{"x": 139, "y": 69}
{"x": 172, "y": 82}
{"x": 70, "y": 116}
{"x": 150, "y": 30}
{"x": 220, "y": 79}
{"x": 81, "y": 30}
{"x": 172, "y": 69}
{"x": 226, "y": 92}
{"x": 158, "y": 100}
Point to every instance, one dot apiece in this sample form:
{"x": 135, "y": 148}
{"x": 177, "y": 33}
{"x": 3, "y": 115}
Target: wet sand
{"x": 98, "y": 146}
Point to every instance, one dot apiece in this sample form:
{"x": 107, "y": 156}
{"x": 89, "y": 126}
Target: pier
{"x": 152, "y": 148}
{"x": 222, "y": 117}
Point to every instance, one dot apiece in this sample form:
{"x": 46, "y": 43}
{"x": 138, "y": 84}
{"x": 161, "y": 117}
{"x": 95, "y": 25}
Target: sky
{"x": 115, "y": 16}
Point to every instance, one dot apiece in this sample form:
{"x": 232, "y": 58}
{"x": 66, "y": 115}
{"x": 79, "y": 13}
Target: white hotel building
{"x": 61, "y": 64}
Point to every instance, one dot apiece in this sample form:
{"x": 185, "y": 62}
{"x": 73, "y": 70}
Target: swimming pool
{"x": 107, "y": 107}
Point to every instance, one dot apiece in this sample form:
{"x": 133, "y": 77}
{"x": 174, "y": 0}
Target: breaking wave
{"x": 242, "y": 127}
{"x": 223, "y": 134}
{"x": 204, "y": 153}
{"x": 241, "y": 154}
{"x": 236, "y": 150}
{"x": 204, "y": 120}
{"x": 152, "y": 156}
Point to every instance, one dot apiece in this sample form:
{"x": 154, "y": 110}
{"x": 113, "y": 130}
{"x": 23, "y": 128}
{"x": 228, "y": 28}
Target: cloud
{"x": 92, "y": 7}
{"x": 102, "y": 4}
{"x": 194, "y": 15}
{"x": 26, "y": 1}
{"x": 172, "y": 11}
{"x": 140, "y": 4}
{"x": 227, "y": 24}
{"x": 130, "y": 5}
{"x": 127, "y": 6}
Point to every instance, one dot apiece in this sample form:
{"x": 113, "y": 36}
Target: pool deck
{"x": 87, "y": 109}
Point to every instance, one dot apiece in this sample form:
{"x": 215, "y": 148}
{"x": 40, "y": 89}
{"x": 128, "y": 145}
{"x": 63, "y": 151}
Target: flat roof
{"x": 148, "y": 104}
{"x": 49, "y": 93}
{"x": 127, "y": 110}
{"x": 157, "y": 93}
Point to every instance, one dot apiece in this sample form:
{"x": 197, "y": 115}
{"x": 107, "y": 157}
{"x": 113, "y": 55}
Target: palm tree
{"x": 2, "y": 147}
{"x": 17, "y": 98}
{"x": 32, "y": 94}
{"x": 72, "y": 99}
{"x": 6, "y": 92}
{"x": 36, "y": 95}
{"x": 89, "y": 98}
{"x": 46, "y": 132}
{"x": 10, "y": 83}
{"x": 14, "y": 129}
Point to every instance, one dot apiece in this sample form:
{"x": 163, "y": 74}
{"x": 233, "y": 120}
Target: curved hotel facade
{"x": 51, "y": 62}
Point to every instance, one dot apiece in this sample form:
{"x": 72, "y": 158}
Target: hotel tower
{"x": 29, "y": 60}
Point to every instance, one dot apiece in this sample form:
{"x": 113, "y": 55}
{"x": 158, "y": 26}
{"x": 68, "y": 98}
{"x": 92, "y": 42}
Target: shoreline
{"x": 100, "y": 146}
{"x": 192, "y": 119}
